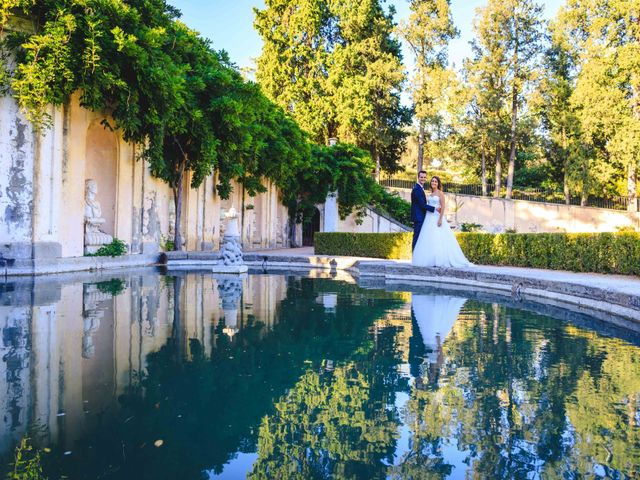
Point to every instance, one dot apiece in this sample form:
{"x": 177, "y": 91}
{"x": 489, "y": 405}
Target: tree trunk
{"x": 565, "y": 186}
{"x": 584, "y": 197}
{"x": 632, "y": 178}
{"x": 512, "y": 152}
{"x": 565, "y": 166}
{"x": 377, "y": 156}
{"x": 496, "y": 192}
{"x": 420, "y": 145}
{"x": 177, "y": 198}
{"x": 176, "y": 327}
{"x": 484, "y": 171}
{"x": 632, "y": 193}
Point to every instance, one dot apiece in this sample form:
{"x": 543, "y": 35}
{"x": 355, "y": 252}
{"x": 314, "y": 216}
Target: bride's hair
{"x": 438, "y": 180}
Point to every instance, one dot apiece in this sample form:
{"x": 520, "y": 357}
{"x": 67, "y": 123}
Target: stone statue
{"x": 231, "y": 251}
{"x": 94, "y": 238}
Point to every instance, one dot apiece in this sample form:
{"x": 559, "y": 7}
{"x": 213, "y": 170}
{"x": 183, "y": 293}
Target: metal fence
{"x": 518, "y": 193}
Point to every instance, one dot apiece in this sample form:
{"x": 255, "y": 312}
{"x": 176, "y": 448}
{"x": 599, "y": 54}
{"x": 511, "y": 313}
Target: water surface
{"x": 145, "y": 376}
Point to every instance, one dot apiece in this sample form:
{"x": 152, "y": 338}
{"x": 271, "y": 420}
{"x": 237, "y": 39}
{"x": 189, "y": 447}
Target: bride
{"x": 437, "y": 245}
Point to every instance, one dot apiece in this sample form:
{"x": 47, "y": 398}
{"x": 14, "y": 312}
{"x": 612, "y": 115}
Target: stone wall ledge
{"x": 184, "y": 257}
{"x": 77, "y": 264}
{"x": 615, "y": 295}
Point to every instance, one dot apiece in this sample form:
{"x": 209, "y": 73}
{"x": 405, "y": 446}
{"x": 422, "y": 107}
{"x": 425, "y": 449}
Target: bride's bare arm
{"x": 442, "y": 207}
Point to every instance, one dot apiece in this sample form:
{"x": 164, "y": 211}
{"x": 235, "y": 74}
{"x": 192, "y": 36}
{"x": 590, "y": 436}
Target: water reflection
{"x": 291, "y": 377}
{"x": 435, "y": 316}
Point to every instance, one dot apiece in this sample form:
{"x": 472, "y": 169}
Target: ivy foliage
{"x": 166, "y": 89}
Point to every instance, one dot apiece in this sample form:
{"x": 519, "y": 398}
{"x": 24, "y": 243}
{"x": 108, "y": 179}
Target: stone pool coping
{"x": 615, "y": 295}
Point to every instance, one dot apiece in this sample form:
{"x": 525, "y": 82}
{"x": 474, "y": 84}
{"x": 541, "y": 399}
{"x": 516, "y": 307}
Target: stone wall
{"x": 42, "y": 192}
{"x": 372, "y": 222}
{"x": 498, "y": 214}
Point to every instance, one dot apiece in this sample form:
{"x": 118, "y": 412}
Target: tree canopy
{"x": 336, "y": 68}
{"x": 166, "y": 89}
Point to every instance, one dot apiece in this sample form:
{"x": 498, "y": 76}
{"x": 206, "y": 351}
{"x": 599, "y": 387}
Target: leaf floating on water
{"x": 46, "y": 450}
{"x": 158, "y": 443}
{"x": 68, "y": 452}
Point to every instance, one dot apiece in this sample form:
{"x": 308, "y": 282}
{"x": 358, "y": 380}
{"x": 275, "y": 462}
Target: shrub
{"x": 116, "y": 248}
{"x": 393, "y": 205}
{"x": 167, "y": 244}
{"x": 27, "y": 464}
{"x": 470, "y": 227}
{"x": 579, "y": 252}
{"x": 376, "y": 245}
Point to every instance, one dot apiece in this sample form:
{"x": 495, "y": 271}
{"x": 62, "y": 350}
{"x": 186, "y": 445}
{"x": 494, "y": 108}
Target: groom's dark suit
{"x": 419, "y": 209}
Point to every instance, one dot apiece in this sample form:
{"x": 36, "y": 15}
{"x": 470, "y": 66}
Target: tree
{"x": 558, "y": 115}
{"x": 294, "y": 64}
{"x": 605, "y": 37}
{"x": 428, "y": 32}
{"x": 487, "y": 73}
{"x": 508, "y": 40}
{"x": 366, "y": 78}
{"x": 334, "y": 67}
{"x": 522, "y": 27}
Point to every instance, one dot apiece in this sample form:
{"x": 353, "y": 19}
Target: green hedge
{"x": 376, "y": 245}
{"x": 578, "y": 252}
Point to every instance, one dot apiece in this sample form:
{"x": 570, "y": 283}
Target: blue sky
{"x": 229, "y": 24}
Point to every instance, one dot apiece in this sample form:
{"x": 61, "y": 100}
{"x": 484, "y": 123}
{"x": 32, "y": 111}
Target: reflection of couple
{"x": 434, "y": 244}
{"x": 435, "y": 316}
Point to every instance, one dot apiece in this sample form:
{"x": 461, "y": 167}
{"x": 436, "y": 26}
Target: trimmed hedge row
{"x": 376, "y": 245}
{"x": 579, "y": 252}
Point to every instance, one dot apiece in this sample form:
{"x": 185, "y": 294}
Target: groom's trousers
{"x": 417, "y": 226}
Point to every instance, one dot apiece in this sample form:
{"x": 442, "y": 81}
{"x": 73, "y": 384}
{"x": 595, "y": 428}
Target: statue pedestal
{"x": 230, "y": 269}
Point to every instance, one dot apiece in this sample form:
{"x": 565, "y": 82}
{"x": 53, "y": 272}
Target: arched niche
{"x": 101, "y": 154}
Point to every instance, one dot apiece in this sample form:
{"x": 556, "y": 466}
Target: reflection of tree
{"x": 336, "y": 425}
{"x": 522, "y": 394}
{"x": 206, "y": 409}
{"x": 327, "y": 426}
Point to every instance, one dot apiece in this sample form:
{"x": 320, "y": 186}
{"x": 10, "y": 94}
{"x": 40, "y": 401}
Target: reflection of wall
{"x": 49, "y": 378}
{"x": 15, "y": 392}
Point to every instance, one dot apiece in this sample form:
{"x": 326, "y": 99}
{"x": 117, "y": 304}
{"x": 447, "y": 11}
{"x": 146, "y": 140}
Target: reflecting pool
{"x": 197, "y": 376}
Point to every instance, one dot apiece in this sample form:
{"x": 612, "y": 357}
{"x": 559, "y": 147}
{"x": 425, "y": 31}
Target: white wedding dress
{"x": 437, "y": 246}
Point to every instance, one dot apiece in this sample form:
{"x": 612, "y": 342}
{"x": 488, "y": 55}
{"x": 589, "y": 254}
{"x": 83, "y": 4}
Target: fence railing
{"x": 529, "y": 194}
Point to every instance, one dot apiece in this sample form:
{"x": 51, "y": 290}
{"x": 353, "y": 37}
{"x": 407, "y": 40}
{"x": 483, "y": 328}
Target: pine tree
{"x": 558, "y": 116}
{"x": 605, "y": 37}
{"x": 428, "y": 32}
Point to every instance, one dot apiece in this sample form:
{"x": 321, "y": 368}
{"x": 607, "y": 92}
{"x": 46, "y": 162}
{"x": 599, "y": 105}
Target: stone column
{"x": 331, "y": 205}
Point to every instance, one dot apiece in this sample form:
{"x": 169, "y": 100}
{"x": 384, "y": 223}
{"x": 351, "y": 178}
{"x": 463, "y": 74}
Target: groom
{"x": 419, "y": 207}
